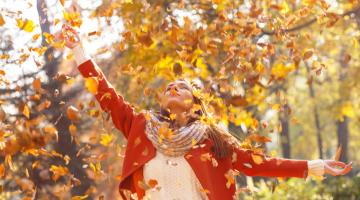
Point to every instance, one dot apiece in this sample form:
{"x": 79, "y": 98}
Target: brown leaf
{"x": 73, "y": 113}
{"x": 37, "y": 85}
{"x": 338, "y": 153}
{"x": 144, "y": 38}
{"x": 152, "y": 183}
{"x": 177, "y": 69}
{"x": 307, "y": 54}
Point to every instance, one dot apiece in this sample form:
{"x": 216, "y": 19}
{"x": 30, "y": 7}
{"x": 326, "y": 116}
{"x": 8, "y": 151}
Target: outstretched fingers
{"x": 330, "y": 168}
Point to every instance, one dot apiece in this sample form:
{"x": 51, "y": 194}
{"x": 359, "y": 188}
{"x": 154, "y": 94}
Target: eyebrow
{"x": 184, "y": 84}
{"x": 181, "y": 83}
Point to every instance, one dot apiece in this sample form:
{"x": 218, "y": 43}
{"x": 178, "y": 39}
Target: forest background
{"x": 283, "y": 75}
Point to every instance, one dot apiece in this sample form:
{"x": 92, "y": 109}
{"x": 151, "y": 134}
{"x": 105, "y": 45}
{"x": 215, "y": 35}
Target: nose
{"x": 173, "y": 87}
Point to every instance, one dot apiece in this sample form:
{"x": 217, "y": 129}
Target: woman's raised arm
{"x": 122, "y": 113}
{"x": 255, "y": 164}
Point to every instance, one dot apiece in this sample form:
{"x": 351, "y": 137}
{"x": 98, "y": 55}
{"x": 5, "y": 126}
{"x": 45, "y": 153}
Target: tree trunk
{"x": 64, "y": 145}
{"x": 343, "y": 138}
{"x": 285, "y": 133}
{"x": 342, "y": 125}
{"x": 316, "y": 117}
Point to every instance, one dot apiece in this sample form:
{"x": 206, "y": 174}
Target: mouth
{"x": 173, "y": 92}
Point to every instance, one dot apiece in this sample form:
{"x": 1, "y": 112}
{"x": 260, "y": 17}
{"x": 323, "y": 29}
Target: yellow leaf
{"x": 280, "y": 71}
{"x": 26, "y": 25}
{"x": 50, "y": 129}
{"x": 91, "y": 84}
{"x": 73, "y": 18}
{"x": 347, "y": 110}
{"x": 96, "y": 168}
{"x": 276, "y": 107}
{"x": 36, "y": 36}
{"x": 49, "y": 38}
{"x": 8, "y": 160}
{"x": 72, "y": 129}
{"x": 257, "y": 159}
{"x": 58, "y": 171}
{"x": 79, "y": 197}
{"x": 105, "y": 139}
{"x": 26, "y": 111}
{"x": 356, "y": 43}
{"x": 284, "y": 8}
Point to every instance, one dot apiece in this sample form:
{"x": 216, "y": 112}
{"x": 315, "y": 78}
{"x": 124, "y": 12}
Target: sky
{"x": 22, "y": 39}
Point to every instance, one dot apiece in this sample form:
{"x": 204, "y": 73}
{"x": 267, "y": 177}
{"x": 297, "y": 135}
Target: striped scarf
{"x": 174, "y": 142}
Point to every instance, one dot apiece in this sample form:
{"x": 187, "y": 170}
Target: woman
{"x": 175, "y": 152}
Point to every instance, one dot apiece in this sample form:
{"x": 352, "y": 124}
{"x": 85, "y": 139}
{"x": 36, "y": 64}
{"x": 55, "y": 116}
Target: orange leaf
{"x": 37, "y": 85}
{"x": 26, "y": 111}
{"x": 2, "y": 170}
{"x": 72, "y": 113}
{"x": 307, "y": 54}
{"x": 257, "y": 159}
{"x": 91, "y": 84}
{"x": 2, "y": 21}
{"x": 152, "y": 183}
{"x": 338, "y": 153}
{"x": 72, "y": 130}
{"x": 58, "y": 171}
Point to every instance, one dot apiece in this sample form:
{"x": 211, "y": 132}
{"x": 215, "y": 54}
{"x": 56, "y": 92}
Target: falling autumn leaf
{"x": 72, "y": 130}
{"x": 2, "y": 170}
{"x": 2, "y": 21}
{"x": 338, "y": 153}
{"x": 25, "y": 110}
{"x": 257, "y": 159}
{"x": 91, "y": 84}
{"x": 152, "y": 183}
{"x": 73, "y": 113}
{"x": 106, "y": 139}
{"x": 58, "y": 171}
{"x": 26, "y": 25}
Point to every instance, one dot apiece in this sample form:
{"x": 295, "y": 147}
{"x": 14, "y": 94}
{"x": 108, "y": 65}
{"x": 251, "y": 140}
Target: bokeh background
{"x": 282, "y": 75}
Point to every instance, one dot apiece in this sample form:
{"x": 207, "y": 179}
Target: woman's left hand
{"x": 336, "y": 168}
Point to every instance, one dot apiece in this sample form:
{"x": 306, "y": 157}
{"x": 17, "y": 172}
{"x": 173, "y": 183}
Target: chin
{"x": 175, "y": 104}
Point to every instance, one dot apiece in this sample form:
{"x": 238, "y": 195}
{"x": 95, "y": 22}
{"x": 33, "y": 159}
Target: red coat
{"x": 140, "y": 150}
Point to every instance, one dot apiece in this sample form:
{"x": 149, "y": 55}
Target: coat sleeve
{"x": 122, "y": 113}
{"x": 256, "y": 164}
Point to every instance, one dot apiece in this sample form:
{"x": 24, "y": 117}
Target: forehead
{"x": 178, "y": 82}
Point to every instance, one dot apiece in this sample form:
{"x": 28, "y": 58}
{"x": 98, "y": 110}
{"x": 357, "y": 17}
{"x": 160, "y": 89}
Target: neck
{"x": 181, "y": 117}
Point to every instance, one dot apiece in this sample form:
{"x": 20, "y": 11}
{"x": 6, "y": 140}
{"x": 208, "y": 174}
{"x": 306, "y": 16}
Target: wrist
{"x": 80, "y": 55}
{"x": 316, "y": 167}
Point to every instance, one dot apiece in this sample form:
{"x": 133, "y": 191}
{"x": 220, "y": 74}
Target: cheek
{"x": 188, "y": 99}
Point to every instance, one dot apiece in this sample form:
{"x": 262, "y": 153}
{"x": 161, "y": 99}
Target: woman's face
{"x": 177, "y": 97}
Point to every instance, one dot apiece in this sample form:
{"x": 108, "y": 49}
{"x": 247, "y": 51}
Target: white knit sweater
{"x": 175, "y": 178}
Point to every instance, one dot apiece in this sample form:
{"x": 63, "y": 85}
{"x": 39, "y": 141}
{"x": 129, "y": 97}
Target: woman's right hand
{"x": 69, "y": 35}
